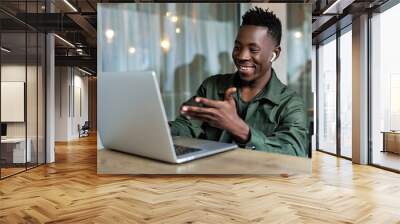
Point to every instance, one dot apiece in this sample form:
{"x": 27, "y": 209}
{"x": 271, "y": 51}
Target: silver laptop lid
{"x": 134, "y": 118}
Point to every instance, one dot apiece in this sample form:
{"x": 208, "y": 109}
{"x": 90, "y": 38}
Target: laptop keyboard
{"x": 181, "y": 150}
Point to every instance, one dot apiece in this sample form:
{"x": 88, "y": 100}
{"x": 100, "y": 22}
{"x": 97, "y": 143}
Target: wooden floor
{"x": 10, "y": 171}
{"x": 70, "y": 191}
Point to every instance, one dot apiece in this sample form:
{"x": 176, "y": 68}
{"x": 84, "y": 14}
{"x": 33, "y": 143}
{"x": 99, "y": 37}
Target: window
{"x": 327, "y": 96}
{"x": 346, "y": 94}
{"x": 22, "y": 80}
{"x": 385, "y": 89}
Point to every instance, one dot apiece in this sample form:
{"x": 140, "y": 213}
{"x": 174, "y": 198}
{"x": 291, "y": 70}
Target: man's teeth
{"x": 245, "y": 68}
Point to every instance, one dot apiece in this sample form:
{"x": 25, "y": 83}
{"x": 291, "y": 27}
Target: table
{"x": 238, "y": 161}
{"x": 13, "y": 150}
{"x": 391, "y": 141}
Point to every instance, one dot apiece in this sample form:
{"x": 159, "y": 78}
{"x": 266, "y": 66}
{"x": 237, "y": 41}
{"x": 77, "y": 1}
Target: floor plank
{"x": 70, "y": 191}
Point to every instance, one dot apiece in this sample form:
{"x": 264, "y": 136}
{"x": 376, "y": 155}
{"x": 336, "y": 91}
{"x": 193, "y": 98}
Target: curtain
{"x": 183, "y": 43}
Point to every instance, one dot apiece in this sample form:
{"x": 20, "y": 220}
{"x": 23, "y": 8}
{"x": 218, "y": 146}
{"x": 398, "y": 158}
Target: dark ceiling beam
{"x": 91, "y": 5}
{"x": 205, "y": 1}
{"x": 329, "y": 13}
{"x": 77, "y": 17}
{"x": 49, "y": 22}
{"x": 82, "y": 61}
{"x": 331, "y": 29}
{"x": 64, "y": 51}
{"x": 75, "y": 60}
{"x": 16, "y": 18}
{"x": 86, "y": 26}
{"x": 11, "y": 25}
{"x": 337, "y": 7}
{"x": 44, "y": 22}
{"x": 21, "y": 58}
{"x": 63, "y": 7}
{"x": 86, "y": 69}
{"x": 343, "y": 12}
{"x": 320, "y": 23}
{"x": 54, "y": 22}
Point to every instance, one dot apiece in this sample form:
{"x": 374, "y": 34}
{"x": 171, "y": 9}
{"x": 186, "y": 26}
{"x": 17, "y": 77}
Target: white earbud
{"x": 273, "y": 57}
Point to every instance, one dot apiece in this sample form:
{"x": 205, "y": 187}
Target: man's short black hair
{"x": 264, "y": 17}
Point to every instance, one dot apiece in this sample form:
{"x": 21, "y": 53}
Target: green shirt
{"x": 276, "y": 117}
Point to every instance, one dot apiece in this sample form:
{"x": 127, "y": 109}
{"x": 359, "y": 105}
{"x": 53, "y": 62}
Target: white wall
{"x": 62, "y": 81}
{"x": 70, "y": 83}
{"x": 33, "y": 127}
{"x": 79, "y": 117}
{"x": 12, "y": 73}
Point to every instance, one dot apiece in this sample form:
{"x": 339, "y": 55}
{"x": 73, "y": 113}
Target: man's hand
{"x": 220, "y": 114}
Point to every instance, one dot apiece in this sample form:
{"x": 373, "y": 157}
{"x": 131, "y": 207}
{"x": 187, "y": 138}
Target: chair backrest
{"x": 86, "y": 125}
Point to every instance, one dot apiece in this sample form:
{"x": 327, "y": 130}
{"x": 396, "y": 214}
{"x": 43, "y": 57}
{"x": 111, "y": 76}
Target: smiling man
{"x": 250, "y": 107}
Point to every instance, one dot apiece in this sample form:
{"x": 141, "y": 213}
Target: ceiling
{"x": 332, "y": 15}
{"x": 76, "y": 22}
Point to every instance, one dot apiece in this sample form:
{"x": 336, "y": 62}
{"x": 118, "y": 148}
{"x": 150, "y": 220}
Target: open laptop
{"x": 134, "y": 121}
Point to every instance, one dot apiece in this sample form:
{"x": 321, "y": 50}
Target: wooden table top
{"x": 238, "y": 161}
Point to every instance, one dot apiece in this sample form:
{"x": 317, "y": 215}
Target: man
{"x": 250, "y": 107}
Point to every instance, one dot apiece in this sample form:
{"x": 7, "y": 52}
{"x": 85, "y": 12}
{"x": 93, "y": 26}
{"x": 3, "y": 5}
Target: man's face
{"x": 252, "y": 52}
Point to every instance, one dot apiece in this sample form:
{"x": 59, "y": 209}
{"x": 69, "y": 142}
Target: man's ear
{"x": 273, "y": 57}
{"x": 276, "y": 52}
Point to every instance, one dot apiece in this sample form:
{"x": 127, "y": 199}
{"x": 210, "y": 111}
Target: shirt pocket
{"x": 266, "y": 120}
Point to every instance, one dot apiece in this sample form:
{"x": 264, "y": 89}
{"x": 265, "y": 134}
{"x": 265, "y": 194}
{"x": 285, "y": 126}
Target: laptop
{"x": 134, "y": 121}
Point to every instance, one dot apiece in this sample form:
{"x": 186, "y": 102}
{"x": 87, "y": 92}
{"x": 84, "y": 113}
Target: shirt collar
{"x": 271, "y": 92}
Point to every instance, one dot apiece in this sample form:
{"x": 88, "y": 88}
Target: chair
{"x": 84, "y": 130}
